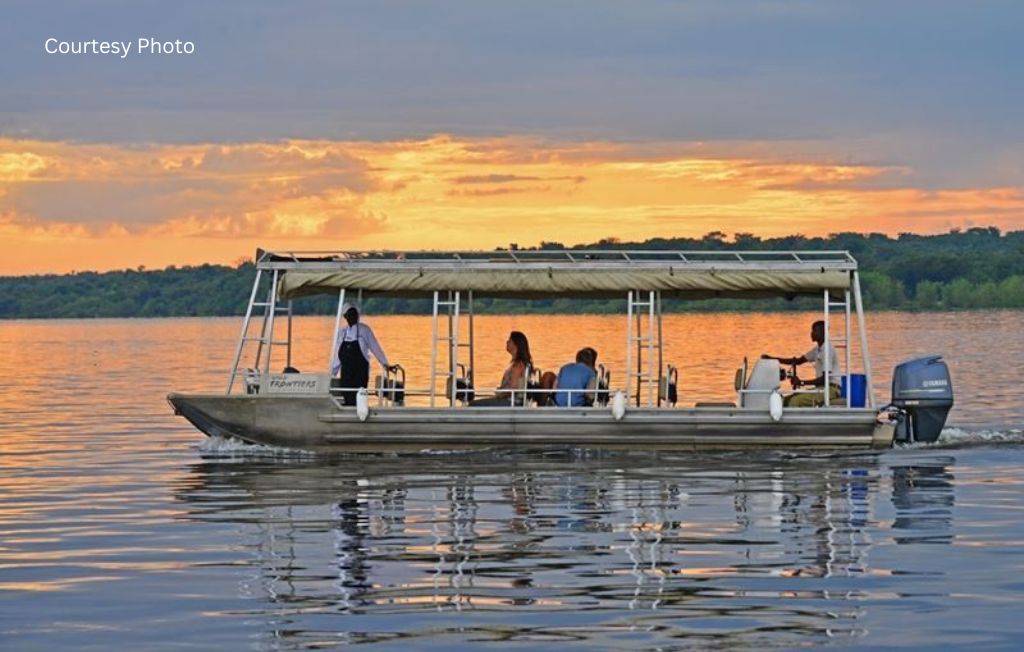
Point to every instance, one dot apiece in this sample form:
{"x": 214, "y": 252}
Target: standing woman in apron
{"x": 355, "y": 344}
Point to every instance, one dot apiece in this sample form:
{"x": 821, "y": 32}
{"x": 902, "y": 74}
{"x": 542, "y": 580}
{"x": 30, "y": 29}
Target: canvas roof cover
{"x": 756, "y": 277}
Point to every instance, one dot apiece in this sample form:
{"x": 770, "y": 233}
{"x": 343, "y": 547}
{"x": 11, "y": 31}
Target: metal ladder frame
{"x": 836, "y": 343}
{"x": 453, "y": 310}
{"x": 652, "y": 341}
{"x": 845, "y": 341}
{"x": 266, "y": 338}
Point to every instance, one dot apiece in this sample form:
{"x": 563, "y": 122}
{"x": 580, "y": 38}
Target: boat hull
{"x": 314, "y": 422}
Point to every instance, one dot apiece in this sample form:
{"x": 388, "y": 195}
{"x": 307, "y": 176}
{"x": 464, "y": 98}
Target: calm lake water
{"x": 122, "y": 527}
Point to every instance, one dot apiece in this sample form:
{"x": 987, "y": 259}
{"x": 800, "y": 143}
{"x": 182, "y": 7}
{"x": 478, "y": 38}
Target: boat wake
{"x": 964, "y": 437}
{"x": 230, "y": 447}
{"x": 951, "y": 437}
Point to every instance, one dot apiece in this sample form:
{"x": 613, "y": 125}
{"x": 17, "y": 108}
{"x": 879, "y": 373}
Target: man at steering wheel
{"x": 820, "y": 355}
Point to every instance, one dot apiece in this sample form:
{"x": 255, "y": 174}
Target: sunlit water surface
{"x": 122, "y": 527}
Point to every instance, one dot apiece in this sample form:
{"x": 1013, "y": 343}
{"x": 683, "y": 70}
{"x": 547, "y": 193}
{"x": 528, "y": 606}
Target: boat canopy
{"x": 576, "y": 273}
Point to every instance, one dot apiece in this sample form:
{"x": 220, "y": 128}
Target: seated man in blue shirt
{"x": 575, "y": 376}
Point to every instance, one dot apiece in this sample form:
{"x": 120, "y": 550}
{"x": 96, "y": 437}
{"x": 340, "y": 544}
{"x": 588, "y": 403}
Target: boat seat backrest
{"x": 597, "y": 388}
{"x": 764, "y": 378}
{"x": 524, "y": 384}
{"x": 740, "y": 381}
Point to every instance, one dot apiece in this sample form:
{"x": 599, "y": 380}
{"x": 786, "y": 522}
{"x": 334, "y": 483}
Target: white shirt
{"x": 367, "y": 344}
{"x": 834, "y": 374}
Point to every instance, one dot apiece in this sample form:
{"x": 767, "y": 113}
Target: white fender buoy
{"x": 362, "y": 404}
{"x": 775, "y": 405}
{"x": 619, "y": 405}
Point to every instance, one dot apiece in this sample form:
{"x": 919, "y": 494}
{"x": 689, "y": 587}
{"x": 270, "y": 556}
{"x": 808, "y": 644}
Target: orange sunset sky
{"x": 67, "y": 206}
{"x": 462, "y": 124}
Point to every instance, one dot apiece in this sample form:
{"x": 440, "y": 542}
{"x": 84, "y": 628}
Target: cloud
{"x": 491, "y": 192}
{"x": 941, "y": 78}
{"x": 493, "y": 178}
{"x": 159, "y": 204}
{"x": 511, "y": 178}
{"x": 283, "y": 188}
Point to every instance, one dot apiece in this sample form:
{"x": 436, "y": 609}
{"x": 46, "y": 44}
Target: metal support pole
{"x": 453, "y": 344}
{"x": 337, "y": 327}
{"x": 639, "y": 348}
{"x": 472, "y": 349}
{"x": 827, "y": 362}
{"x": 270, "y": 330}
{"x": 451, "y": 328}
{"x": 859, "y": 305}
{"x": 629, "y": 340}
{"x": 661, "y": 347}
{"x": 288, "y": 349}
{"x": 433, "y": 353}
{"x": 244, "y": 333}
{"x": 650, "y": 350}
{"x": 849, "y": 349}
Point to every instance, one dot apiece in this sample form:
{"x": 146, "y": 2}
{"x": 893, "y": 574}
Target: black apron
{"x": 355, "y": 368}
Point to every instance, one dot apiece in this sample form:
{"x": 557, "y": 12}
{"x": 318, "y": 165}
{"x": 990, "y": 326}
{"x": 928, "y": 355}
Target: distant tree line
{"x": 960, "y": 270}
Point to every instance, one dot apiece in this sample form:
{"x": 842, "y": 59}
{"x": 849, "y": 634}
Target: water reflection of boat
{"x": 922, "y": 494}
{"x": 631, "y": 532}
{"x": 304, "y": 410}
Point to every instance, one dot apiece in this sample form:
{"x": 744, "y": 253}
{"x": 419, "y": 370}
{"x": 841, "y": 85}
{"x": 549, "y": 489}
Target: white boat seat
{"x": 597, "y": 388}
{"x": 764, "y": 378}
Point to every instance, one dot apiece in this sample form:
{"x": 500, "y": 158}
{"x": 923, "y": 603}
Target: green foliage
{"x": 961, "y": 270}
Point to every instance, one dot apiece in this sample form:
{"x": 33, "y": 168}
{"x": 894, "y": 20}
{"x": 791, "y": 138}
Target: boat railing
{"x": 516, "y": 396}
{"x": 769, "y": 391}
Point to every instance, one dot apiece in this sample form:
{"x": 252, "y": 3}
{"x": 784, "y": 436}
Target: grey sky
{"x": 932, "y": 85}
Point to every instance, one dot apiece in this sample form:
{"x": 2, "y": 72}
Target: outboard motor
{"x": 923, "y": 392}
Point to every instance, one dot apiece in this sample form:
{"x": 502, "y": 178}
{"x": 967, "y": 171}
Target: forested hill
{"x": 976, "y": 268}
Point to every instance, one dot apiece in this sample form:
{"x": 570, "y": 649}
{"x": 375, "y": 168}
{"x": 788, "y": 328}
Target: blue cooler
{"x": 859, "y": 383}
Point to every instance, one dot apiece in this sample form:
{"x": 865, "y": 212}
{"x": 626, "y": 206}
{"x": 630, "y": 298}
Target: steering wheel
{"x": 794, "y": 380}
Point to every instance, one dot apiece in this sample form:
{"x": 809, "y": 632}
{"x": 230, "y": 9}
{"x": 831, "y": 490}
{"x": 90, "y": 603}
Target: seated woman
{"x": 513, "y": 378}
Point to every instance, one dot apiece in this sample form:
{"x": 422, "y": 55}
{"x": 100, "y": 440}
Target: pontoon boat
{"x": 305, "y": 410}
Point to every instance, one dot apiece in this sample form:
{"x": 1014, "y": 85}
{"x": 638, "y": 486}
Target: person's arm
{"x": 336, "y": 361}
{"x": 590, "y": 387}
{"x": 814, "y": 382}
{"x": 812, "y": 356}
{"x": 373, "y": 345}
{"x": 790, "y": 361}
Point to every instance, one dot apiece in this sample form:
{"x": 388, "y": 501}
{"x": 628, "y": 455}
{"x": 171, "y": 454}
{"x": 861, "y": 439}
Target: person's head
{"x": 818, "y": 332}
{"x": 352, "y": 315}
{"x": 584, "y": 356}
{"x": 592, "y": 352}
{"x": 519, "y": 348}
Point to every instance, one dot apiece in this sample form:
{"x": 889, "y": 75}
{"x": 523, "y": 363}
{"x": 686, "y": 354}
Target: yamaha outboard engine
{"x": 923, "y": 392}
